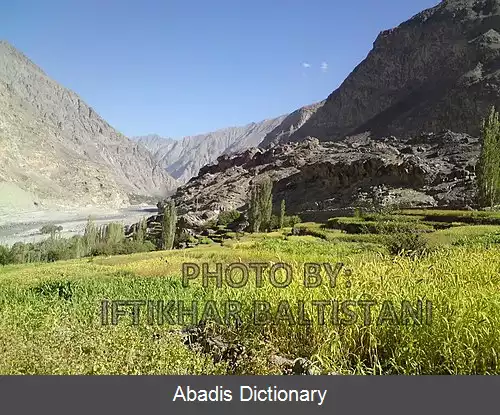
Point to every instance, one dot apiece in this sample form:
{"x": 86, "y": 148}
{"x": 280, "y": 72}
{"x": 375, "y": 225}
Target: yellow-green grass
{"x": 444, "y": 212}
{"x": 44, "y": 333}
{"x": 458, "y": 233}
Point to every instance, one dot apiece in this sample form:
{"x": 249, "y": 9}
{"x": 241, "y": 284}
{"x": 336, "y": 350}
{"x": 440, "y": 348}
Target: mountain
{"x": 183, "y": 158}
{"x": 439, "y": 70}
{"x": 316, "y": 177}
{"x": 402, "y": 127}
{"x": 290, "y": 124}
{"x": 55, "y": 150}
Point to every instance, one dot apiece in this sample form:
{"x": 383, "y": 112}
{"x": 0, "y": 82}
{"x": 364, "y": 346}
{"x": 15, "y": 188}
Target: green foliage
{"x": 227, "y": 217}
{"x": 291, "y": 221}
{"x": 254, "y": 214}
{"x": 487, "y": 240}
{"x": 205, "y": 241}
{"x": 51, "y": 308}
{"x": 488, "y": 167}
{"x": 266, "y": 202}
{"x": 5, "y": 257}
{"x": 141, "y": 231}
{"x": 90, "y": 236}
{"x": 105, "y": 240}
{"x": 282, "y": 214}
{"x": 184, "y": 237}
{"x": 169, "y": 225}
{"x": 113, "y": 233}
{"x": 362, "y": 226}
{"x": 288, "y": 222}
{"x": 407, "y": 243}
{"x": 261, "y": 206}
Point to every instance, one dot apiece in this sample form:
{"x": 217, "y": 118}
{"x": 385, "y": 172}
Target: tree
{"x": 169, "y": 225}
{"x": 113, "y": 233}
{"x": 254, "y": 217}
{"x": 5, "y": 256}
{"x": 227, "y": 217}
{"x": 488, "y": 167}
{"x": 141, "y": 231}
{"x": 282, "y": 214}
{"x": 90, "y": 236}
{"x": 261, "y": 205}
{"x": 266, "y": 202}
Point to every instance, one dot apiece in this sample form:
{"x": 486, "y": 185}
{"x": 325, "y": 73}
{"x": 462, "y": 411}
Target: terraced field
{"x": 51, "y": 314}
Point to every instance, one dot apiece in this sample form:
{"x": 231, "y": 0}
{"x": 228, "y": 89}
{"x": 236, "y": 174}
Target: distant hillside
{"x": 183, "y": 158}
{"x": 56, "y": 150}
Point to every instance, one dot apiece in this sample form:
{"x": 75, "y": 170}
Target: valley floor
{"x": 25, "y": 226}
{"x": 51, "y": 315}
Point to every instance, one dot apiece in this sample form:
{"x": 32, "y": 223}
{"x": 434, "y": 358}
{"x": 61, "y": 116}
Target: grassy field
{"x": 50, "y": 314}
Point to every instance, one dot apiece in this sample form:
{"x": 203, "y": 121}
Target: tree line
{"x": 97, "y": 240}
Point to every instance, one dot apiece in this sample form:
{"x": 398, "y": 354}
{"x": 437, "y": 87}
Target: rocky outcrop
{"x": 183, "y": 158}
{"x": 55, "y": 150}
{"x": 439, "y": 70}
{"x": 427, "y": 170}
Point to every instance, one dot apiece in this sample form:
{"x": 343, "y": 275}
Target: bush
{"x": 305, "y": 231}
{"x": 407, "y": 244}
{"x": 227, "y": 217}
{"x": 360, "y": 226}
{"x": 5, "y": 257}
{"x": 205, "y": 241}
{"x": 291, "y": 221}
{"x": 274, "y": 222}
{"x": 184, "y": 237}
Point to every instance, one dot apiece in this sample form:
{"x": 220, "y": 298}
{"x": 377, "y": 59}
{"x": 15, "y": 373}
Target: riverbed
{"x": 25, "y": 226}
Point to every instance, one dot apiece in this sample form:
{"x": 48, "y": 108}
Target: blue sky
{"x": 182, "y": 67}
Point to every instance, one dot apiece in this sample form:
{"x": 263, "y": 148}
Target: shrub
{"x": 274, "y": 222}
{"x": 407, "y": 244}
{"x": 5, "y": 257}
{"x": 227, "y": 217}
{"x": 291, "y": 221}
{"x": 205, "y": 241}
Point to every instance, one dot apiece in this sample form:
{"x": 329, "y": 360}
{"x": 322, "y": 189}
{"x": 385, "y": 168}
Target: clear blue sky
{"x": 181, "y": 67}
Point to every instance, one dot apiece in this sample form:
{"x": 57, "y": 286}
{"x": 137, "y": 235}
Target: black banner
{"x": 136, "y": 395}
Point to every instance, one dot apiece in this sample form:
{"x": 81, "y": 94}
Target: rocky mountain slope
{"x": 55, "y": 150}
{"x": 427, "y": 170}
{"x": 439, "y": 70}
{"x": 184, "y": 158}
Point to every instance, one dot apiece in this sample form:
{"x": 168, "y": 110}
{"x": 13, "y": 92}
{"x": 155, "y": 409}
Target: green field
{"x": 50, "y": 313}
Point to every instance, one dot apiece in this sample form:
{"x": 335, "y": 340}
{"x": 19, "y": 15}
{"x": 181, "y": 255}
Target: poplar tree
{"x": 254, "y": 217}
{"x": 169, "y": 225}
{"x": 141, "y": 231}
{"x": 488, "y": 167}
{"x": 282, "y": 214}
{"x": 261, "y": 205}
{"x": 90, "y": 236}
{"x": 266, "y": 202}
